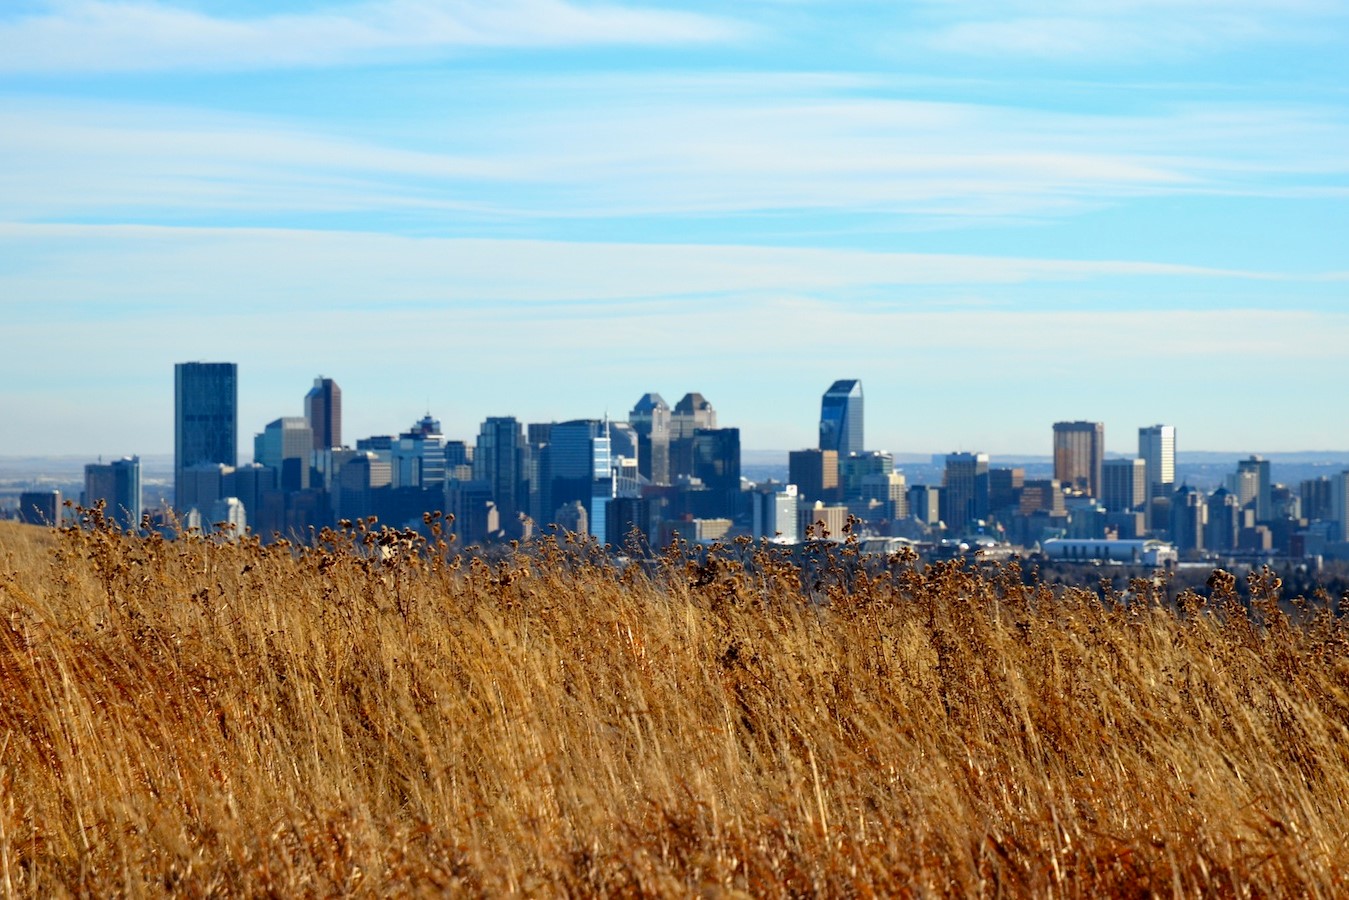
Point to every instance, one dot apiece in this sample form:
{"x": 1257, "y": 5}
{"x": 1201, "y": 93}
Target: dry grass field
{"x": 209, "y": 717}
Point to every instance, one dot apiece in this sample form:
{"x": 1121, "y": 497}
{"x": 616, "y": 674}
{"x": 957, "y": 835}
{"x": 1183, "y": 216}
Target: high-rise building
{"x": 1124, "y": 484}
{"x": 774, "y": 513}
{"x": 1224, "y": 521}
{"x": 579, "y": 467}
{"x": 852, "y": 469}
{"x": 1079, "y": 451}
{"x": 650, "y": 418}
{"x": 1004, "y": 489}
{"x": 118, "y": 485}
{"x": 1189, "y": 518}
{"x": 1157, "y": 448}
{"x": 501, "y": 460}
{"x": 1256, "y": 468}
{"x": 418, "y": 456}
{"x": 925, "y": 503}
{"x": 890, "y": 490}
{"x": 716, "y": 463}
{"x": 323, "y": 410}
{"x": 40, "y": 508}
{"x": 1317, "y": 499}
{"x": 286, "y": 445}
{"x": 841, "y": 418}
{"x": 965, "y": 489}
{"x": 1339, "y": 506}
{"x": 815, "y": 474}
{"x": 205, "y": 418}
{"x": 692, "y": 412}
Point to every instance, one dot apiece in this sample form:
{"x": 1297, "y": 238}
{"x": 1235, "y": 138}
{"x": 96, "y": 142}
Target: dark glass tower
{"x": 323, "y": 409}
{"x": 501, "y": 459}
{"x": 205, "y": 417}
{"x": 841, "y": 418}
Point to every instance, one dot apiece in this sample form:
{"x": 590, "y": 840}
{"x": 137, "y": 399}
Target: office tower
{"x": 1317, "y": 499}
{"x": 201, "y": 485}
{"x": 815, "y": 474}
{"x": 1124, "y": 484}
{"x": 359, "y": 483}
{"x": 205, "y": 419}
{"x": 229, "y": 514}
{"x": 1256, "y": 470}
{"x": 965, "y": 489}
{"x": 690, "y": 413}
{"x": 501, "y": 460}
{"x": 418, "y": 456}
{"x": 1224, "y": 521}
{"x": 1189, "y": 516}
{"x": 1157, "y": 448}
{"x": 118, "y": 485}
{"x": 716, "y": 463}
{"x": 1004, "y": 489}
{"x": 249, "y": 484}
{"x": 579, "y": 469}
{"x": 286, "y": 445}
{"x": 1079, "y": 451}
{"x": 650, "y": 418}
{"x": 323, "y": 411}
{"x": 476, "y": 517}
{"x": 891, "y": 491}
{"x": 1339, "y": 506}
{"x": 817, "y": 521}
{"x": 40, "y": 508}
{"x": 841, "y": 418}
{"x": 1042, "y": 495}
{"x": 925, "y": 503}
{"x": 775, "y": 513}
{"x": 852, "y": 469}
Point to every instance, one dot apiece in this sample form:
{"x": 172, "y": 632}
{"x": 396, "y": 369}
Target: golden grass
{"x": 207, "y": 717}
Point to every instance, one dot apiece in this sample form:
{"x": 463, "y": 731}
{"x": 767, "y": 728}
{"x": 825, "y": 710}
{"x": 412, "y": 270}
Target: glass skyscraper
{"x": 205, "y": 417}
{"x": 841, "y": 418}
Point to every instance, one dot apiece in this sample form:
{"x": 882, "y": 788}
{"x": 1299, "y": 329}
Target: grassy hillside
{"x": 214, "y": 717}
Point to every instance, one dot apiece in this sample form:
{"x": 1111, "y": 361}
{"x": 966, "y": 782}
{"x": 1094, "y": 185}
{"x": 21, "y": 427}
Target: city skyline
{"x": 1126, "y": 213}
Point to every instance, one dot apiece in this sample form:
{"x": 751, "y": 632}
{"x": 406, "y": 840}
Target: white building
{"x": 1143, "y": 553}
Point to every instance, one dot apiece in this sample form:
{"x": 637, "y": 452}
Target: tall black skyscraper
{"x": 841, "y": 418}
{"x": 323, "y": 409}
{"x": 205, "y": 417}
{"x": 501, "y": 460}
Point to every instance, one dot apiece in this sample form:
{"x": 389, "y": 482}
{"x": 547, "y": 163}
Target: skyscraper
{"x": 692, "y": 412}
{"x": 1157, "y": 449}
{"x": 1256, "y": 468}
{"x": 205, "y": 417}
{"x": 650, "y": 418}
{"x": 501, "y": 460}
{"x": 965, "y": 489}
{"x": 286, "y": 445}
{"x": 1079, "y": 451}
{"x": 323, "y": 410}
{"x": 1124, "y": 484}
{"x": 815, "y": 474}
{"x": 841, "y": 418}
{"x": 118, "y": 484}
{"x": 716, "y": 462}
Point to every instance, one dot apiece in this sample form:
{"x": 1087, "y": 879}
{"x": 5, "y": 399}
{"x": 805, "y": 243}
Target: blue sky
{"x": 996, "y": 214}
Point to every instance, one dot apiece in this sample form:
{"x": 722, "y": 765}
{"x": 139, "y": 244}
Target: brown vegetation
{"x": 379, "y": 717}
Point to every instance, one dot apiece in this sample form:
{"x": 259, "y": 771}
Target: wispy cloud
{"x": 150, "y": 35}
{"x": 1122, "y": 30}
{"x": 630, "y": 153}
{"x": 150, "y": 271}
